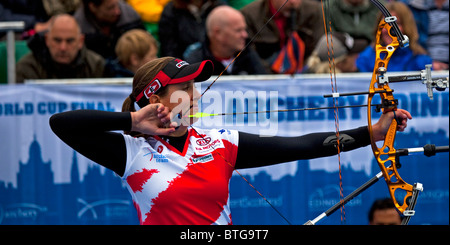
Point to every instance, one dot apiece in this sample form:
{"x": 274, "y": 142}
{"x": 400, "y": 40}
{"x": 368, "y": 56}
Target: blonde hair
{"x": 317, "y": 66}
{"x": 135, "y": 41}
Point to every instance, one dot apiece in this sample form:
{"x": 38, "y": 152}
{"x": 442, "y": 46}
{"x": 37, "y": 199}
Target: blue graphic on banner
{"x": 98, "y": 199}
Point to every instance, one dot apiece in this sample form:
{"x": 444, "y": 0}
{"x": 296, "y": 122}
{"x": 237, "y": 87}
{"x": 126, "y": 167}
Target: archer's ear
{"x": 154, "y": 99}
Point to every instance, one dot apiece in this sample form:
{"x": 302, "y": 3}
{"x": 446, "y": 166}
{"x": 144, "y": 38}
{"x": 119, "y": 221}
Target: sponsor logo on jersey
{"x": 203, "y": 159}
{"x": 211, "y": 145}
{"x": 153, "y": 155}
{"x": 203, "y": 141}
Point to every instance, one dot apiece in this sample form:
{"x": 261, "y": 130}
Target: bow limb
{"x": 386, "y": 154}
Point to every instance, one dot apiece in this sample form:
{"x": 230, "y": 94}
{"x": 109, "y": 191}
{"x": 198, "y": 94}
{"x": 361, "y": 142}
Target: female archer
{"x": 177, "y": 173}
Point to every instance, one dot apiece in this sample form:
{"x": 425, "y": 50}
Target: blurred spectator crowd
{"x": 113, "y": 38}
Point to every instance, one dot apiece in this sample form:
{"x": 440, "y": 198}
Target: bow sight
{"x": 440, "y": 83}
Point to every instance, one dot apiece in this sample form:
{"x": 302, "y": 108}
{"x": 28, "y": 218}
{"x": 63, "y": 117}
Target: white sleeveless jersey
{"x": 169, "y": 187}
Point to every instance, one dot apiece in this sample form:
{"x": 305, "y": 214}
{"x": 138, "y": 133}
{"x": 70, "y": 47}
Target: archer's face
{"x": 182, "y": 98}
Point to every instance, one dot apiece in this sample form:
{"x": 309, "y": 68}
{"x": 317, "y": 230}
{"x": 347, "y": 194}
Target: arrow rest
{"x": 387, "y": 105}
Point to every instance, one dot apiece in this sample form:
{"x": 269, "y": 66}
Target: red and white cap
{"x": 176, "y": 71}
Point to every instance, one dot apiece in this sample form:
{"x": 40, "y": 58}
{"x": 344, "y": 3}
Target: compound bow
{"x": 386, "y": 155}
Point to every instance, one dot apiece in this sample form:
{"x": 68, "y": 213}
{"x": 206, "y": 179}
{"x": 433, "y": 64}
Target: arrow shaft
{"x": 284, "y": 110}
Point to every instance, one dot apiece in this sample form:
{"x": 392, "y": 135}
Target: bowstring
{"x": 332, "y": 68}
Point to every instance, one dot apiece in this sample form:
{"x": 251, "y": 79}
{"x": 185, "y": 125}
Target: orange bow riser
{"x": 386, "y": 155}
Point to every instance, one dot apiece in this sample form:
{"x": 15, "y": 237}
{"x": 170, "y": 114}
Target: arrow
{"x": 202, "y": 114}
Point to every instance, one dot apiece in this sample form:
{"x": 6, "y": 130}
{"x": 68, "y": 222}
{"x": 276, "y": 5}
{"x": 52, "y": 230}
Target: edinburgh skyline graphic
{"x": 100, "y": 198}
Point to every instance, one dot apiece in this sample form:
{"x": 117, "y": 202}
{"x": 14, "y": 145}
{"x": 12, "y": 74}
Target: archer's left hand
{"x": 382, "y": 126}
